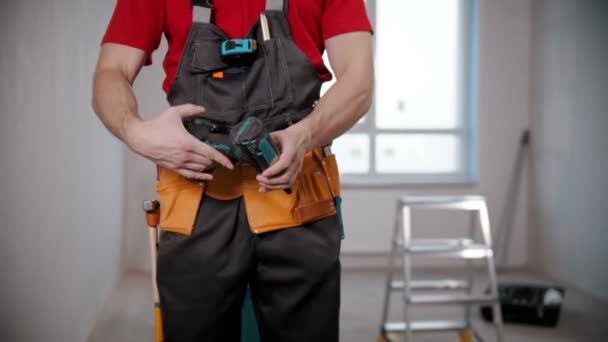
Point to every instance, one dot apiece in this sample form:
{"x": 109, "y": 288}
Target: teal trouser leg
{"x": 249, "y": 327}
{"x": 338, "y": 201}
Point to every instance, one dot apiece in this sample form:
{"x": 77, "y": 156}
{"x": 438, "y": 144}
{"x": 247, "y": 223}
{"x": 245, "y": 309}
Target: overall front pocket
{"x": 222, "y": 95}
{"x": 225, "y": 88}
{"x": 221, "y": 87}
{"x": 279, "y": 78}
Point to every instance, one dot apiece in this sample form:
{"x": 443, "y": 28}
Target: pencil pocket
{"x": 314, "y": 194}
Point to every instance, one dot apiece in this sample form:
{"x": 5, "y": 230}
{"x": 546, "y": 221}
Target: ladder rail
{"x": 391, "y": 267}
{"x": 469, "y": 266}
{"x": 406, "y": 223}
{"x": 484, "y": 221}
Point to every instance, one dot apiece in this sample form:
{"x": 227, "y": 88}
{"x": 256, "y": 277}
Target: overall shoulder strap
{"x": 276, "y": 5}
{"x": 202, "y": 11}
{"x": 276, "y": 14}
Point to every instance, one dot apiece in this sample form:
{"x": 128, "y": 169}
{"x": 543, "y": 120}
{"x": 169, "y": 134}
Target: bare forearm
{"x": 339, "y": 109}
{"x": 114, "y": 101}
{"x": 348, "y": 99}
{"x": 163, "y": 139}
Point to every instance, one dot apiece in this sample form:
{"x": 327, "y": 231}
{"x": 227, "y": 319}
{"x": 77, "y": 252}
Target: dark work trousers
{"x": 294, "y": 276}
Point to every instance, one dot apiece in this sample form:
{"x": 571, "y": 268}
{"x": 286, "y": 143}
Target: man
{"x": 238, "y": 227}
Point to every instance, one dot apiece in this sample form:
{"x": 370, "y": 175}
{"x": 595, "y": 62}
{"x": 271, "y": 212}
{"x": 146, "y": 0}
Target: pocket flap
{"x": 315, "y": 210}
{"x": 207, "y": 57}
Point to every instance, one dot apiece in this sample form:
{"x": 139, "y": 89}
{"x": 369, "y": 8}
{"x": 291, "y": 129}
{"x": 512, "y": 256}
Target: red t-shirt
{"x": 141, "y": 23}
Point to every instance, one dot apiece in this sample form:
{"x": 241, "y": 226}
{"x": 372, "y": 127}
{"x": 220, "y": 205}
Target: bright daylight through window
{"x": 420, "y": 127}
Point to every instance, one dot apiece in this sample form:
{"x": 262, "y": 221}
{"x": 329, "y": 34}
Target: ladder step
{"x": 471, "y": 202}
{"x": 442, "y": 242}
{"x": 451, "y": 242}
{"x": 396, "y": 327}
{"x": 448, "y": 248}
{"x": 445, "y": 284}
{"x": 468, "y": 252}
{"x": 452, "y": 299}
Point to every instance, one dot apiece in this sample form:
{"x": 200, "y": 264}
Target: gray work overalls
{"x": 294, "y": 273}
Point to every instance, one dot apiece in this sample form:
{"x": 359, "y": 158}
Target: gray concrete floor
{"x": 128, "y": 315}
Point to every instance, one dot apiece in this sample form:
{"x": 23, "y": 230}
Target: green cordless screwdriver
{"x": 247, "y": 142}
{"x": 253, "y": 140}
{"x": 215, "y": 136}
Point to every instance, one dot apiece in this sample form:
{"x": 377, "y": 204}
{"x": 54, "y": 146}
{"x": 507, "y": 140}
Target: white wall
{"x": 141, "y": 173}
{"x": 61, "y": 174}
{"x": 570, "y": 165}
{"x": 503, "y": 103}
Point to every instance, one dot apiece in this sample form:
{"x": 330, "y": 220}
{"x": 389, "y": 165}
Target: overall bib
{"x": 219, "y": 237}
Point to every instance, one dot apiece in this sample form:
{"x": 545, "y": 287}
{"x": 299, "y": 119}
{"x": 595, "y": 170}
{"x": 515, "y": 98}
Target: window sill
{"x": 388, "y": 182}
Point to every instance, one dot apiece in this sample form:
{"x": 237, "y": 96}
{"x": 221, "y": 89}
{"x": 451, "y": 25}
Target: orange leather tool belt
{"x": 312, "y": 196}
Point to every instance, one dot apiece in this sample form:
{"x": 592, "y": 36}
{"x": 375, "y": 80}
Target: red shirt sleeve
{"x": 137, "y": 23}
{"x": 344, "y": 16}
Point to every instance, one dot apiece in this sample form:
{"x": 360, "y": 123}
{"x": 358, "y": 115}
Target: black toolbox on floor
{"x": 529, "y": 304}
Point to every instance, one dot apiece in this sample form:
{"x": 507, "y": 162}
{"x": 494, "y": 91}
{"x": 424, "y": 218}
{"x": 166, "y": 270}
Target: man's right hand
{"x": 166, "y": 142}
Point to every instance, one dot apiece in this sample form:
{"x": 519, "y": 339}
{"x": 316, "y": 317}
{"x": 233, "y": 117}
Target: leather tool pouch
{"x": 312, "y": 197}
{"x": 179, "y": 201}
{"x": 318, "y": 185}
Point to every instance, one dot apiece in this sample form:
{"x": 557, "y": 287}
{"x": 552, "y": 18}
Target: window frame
{"x": 466, "y": 133}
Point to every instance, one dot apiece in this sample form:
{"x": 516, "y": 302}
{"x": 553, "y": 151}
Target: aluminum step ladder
{"x": 466, "y": 248}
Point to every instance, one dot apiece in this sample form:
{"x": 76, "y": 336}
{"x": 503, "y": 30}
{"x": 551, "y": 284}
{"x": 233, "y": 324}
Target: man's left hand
{"x": 292, "y": 143}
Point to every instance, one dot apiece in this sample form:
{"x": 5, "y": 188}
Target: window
{"x": 420, "y": 127}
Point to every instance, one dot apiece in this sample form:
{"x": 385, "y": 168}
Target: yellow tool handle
{"x": 466, "y": 335}
{"x": 152, "y": 219}
{"x": 158, "y": 321}
{"x": 152, "y": 232}
{"x": 158, "y": 325}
